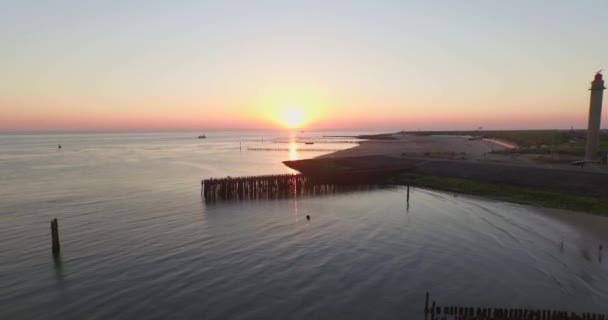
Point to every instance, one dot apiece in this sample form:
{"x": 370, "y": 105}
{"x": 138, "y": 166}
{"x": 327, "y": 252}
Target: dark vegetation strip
{"x": 510, "y": 193}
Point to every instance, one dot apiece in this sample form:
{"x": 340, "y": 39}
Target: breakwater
{"x": 433, "y": 311}
{"x": 278, "y": 186}
{"x": 570, "y": 180}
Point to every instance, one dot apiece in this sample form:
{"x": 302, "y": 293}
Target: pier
{"x": 278, "y": 186}
{"x": 433, "y": 311}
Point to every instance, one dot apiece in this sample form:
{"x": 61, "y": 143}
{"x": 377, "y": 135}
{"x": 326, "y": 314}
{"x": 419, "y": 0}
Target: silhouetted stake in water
{"x": 308, "y": 217}
{"x": 408, "y": 194}
{"x": 55, "y": 238}
{"x": 426, "y": 305}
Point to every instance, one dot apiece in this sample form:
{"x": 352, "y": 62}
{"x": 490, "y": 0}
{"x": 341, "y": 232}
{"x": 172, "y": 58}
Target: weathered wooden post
{"x": 426, "y": 304}
{"x": 408, "y": 194}
{"x": 55, "y": 238}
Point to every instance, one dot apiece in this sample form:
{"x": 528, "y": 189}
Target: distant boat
{"x": 202, "y": 136}
{"x": 309, "y": 143}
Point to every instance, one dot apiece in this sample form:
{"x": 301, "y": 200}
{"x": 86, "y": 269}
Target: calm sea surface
{"x": 138, "y": 242}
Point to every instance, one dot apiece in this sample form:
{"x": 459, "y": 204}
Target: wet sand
{"x": 593, "y": 229}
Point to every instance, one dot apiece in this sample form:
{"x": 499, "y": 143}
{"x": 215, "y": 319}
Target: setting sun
{"x": 293, "y": 117}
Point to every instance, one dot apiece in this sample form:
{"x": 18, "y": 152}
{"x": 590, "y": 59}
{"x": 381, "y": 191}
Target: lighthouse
{"x": 595, "y": 117}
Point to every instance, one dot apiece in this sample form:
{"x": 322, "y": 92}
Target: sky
{"x": 207, "y": 65}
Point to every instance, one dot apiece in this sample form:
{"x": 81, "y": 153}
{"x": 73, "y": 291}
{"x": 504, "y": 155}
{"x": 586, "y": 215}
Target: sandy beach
{"x": 435, "y": 146}
{"x": 453, "y": 147}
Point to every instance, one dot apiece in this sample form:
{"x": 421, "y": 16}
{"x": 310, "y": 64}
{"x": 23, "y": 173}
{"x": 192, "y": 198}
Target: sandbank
{"x": 435, "y": 146}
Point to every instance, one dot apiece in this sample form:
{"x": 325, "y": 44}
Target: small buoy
{"x": 308, "y": 217}
{"x": 59, "y": 147}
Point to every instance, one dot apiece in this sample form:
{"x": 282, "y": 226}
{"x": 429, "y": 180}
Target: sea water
{"x": 138, "y": 242}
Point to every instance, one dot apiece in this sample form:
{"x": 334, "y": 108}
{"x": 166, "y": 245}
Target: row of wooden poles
{"x": 435, "y": 312}
{"x": 273, "y": 187}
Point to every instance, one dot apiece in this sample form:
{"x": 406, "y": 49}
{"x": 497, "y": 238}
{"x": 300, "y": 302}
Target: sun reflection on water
{"x": 293, "y": 150}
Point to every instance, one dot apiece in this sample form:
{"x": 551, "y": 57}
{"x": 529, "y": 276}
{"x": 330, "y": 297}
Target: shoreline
{"x": 465, "y": 165}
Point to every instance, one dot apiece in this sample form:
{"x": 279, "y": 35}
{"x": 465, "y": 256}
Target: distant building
{"x": 595, "y": 117}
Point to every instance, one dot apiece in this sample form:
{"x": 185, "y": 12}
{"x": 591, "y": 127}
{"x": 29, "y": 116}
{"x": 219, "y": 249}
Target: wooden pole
{"x": 55, "y": 238}
{"x": 408, "y": 193}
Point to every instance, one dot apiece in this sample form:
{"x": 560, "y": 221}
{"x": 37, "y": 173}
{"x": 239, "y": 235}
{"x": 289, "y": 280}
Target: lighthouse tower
{"x": 595, "y": 117}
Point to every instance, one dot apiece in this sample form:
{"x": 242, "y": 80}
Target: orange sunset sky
{"x": 192, "y": 65}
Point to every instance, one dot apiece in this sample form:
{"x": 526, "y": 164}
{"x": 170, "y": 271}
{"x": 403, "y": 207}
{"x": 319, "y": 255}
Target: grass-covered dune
{"x": 559, "y": 141}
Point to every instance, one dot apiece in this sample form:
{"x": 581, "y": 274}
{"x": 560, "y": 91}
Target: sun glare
{"x": 293, "y": 117}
